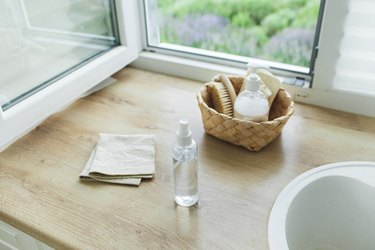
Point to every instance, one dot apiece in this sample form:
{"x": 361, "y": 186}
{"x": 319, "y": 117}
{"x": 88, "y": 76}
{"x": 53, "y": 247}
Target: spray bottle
{"x": 185, "y": 166}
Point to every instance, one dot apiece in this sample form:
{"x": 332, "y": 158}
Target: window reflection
{"x": 40, "y": 41}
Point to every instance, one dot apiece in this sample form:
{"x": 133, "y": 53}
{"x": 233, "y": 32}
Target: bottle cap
{"x": 183, "y": 133}
{"x": 253, "y": 80}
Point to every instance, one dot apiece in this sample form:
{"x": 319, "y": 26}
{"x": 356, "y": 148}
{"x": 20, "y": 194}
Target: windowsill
{"x": 352, "y": 102}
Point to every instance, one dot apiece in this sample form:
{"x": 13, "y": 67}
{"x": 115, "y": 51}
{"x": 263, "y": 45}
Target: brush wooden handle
{"x": 228, "y": 84}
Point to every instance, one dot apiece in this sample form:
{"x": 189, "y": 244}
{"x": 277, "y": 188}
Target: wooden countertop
{"x": 40, "y": 192}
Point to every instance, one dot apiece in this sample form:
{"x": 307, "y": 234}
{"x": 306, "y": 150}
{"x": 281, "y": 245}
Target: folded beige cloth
{"x": 121, "y": 159}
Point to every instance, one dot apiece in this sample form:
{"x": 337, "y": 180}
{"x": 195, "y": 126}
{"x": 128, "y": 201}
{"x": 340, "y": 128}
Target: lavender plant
{"x": 282, "y": 31}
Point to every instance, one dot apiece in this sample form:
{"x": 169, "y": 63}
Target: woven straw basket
{"x": 251, "y": 135}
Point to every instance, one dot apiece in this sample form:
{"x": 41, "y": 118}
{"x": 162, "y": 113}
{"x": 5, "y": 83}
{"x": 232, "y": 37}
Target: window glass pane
{"x": 281, "y": 31}
{"x": 42, "y": 40}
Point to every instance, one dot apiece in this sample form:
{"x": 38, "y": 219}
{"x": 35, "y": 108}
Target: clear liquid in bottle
{"x": 186, "y": 179}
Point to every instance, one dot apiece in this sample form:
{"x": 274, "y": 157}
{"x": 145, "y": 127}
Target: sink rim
{"x": 277, "y": 238}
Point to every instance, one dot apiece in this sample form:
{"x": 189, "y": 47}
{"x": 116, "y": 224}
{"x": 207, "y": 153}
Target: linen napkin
{"x": 121, "y": 159}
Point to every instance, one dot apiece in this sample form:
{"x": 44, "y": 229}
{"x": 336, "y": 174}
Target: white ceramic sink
{"x": 326, "y": 208}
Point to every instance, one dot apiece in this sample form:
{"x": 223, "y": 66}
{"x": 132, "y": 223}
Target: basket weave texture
{"x": 251, "y": 135}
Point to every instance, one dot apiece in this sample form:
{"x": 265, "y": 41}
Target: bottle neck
{"x": 253, "y": 82}
{"x": 184, "y": 141}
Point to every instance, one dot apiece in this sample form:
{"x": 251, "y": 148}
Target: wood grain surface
{"x": 40, "y": 192}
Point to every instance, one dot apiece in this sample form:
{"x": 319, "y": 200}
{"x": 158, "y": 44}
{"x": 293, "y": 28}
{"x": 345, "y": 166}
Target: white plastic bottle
{"x": 251, "y": 104}
{"x": 185, "y": 166}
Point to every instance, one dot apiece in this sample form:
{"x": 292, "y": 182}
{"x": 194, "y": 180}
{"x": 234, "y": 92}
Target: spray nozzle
{"x": 252, "y": 79}
{"x": 183, "y": 133}
{"x": 183, "y": 128}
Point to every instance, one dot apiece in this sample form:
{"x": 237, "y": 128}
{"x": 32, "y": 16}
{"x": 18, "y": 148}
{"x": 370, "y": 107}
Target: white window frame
{"x": 27, "y": 114}
{"x": 322, "y": 92}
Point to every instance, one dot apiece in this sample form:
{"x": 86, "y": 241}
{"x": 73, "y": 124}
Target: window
{"x": 278, "y": 33}
{"x": 72, "y": 36}
{"x": 51, "y": 54}
{"x": 340, "y": 66}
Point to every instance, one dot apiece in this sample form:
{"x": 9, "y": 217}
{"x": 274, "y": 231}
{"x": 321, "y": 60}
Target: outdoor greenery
{"x": 279, "y": 30}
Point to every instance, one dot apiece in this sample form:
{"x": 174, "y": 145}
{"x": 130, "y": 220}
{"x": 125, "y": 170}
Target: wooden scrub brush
{"x": 222, "y": 95}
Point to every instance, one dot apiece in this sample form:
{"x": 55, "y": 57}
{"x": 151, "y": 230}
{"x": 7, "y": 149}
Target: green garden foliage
{"x": 278, "y": 21}
{"x": 268, "y": 29}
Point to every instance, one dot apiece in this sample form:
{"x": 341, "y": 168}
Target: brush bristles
{"x": 220, "y": 98}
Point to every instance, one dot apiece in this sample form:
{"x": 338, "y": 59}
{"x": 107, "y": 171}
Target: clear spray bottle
{"x": 185, "y": 166}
